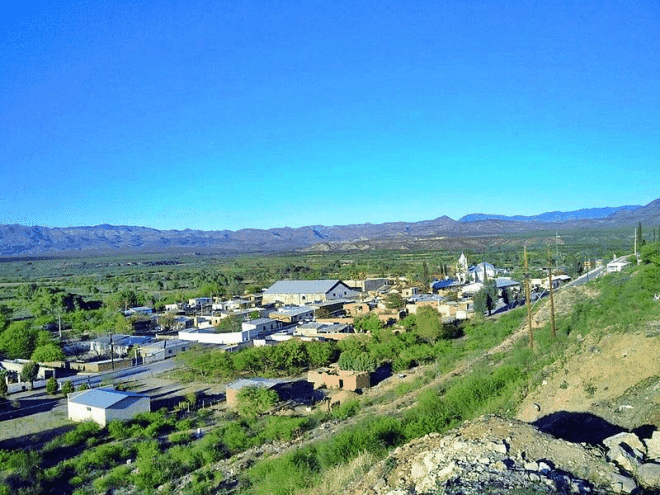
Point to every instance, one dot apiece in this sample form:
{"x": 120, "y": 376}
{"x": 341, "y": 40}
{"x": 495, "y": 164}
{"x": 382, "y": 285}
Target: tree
{"x": 67, "y": 388}
{"x": 231, "y": 323}
{"x": 29, "y": 373}
{"x": 52, "y": 386}
{"x": 253, "y": 401}
{"x": 428, "y": 325}
{"x": 18, "y": 340}
{"x": 426, "y": 278}
{"x": 367, "y": 323}
{"x": 47, "y": 353}
{"x": 3, "y": 383}
{"x": 394, "y": 301}
{"x": 486, "y": 298}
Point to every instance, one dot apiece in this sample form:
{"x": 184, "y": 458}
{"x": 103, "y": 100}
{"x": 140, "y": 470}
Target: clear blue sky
{"x": 235, "y": 114}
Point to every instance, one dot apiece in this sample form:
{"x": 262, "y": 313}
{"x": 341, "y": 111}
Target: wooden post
{"x": 552, "y": 300}
{"x": 528, "y": 301}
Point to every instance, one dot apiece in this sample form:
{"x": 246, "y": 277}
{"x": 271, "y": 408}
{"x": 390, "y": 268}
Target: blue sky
{"x": 257, "y": 114}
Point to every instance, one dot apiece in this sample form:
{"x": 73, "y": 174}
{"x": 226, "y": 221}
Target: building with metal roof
{"x": 103, "y": 405}
{"x": 301, "y": 292}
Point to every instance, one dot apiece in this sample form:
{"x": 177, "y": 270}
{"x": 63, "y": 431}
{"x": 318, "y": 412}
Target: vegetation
{"x": 254, "y": 401}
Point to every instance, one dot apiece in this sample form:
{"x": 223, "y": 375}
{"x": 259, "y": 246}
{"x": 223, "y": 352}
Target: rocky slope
{"x": 492, "y": 455}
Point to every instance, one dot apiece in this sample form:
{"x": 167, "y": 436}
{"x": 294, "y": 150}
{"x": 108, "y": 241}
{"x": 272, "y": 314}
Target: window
{"x": 89, "y": 408}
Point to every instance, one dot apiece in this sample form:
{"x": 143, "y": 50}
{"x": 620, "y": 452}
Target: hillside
{"x": 604, "y": 383}
{"x": 485, "y": 414}
{"x": 473, "y": 231}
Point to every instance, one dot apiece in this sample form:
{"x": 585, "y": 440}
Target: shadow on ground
{"x": 580, "y": 427}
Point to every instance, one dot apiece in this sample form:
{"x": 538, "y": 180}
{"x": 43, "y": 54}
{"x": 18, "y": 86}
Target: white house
{"x": 617, "y": 265}
{"x": 105, "y": 405}
{"x": 249, "y": 330}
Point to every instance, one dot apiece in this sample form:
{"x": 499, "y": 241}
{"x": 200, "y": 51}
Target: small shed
{"x": 103, "y": 405}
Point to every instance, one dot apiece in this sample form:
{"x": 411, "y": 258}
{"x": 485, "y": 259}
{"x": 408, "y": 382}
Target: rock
{"x": 624, "y": 458}
{"x": 648, "y": 475}
{"x": 622, "y": 484}
{"x": 653, "y": 446}
{"x": 629, "y": 439}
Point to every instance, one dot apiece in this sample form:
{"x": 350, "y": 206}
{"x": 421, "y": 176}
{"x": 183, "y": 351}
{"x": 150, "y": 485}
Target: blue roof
{"x": 303, "y": 286}
{"x": 105, "y": 398}
{"x": 443, "y": 284}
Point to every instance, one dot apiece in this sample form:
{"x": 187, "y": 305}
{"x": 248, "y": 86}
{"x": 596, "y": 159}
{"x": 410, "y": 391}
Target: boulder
{"x": 629, "y": 439}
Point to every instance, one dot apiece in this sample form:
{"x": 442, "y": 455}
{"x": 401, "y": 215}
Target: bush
{"x": 52, "y": 386}
{"x": 254, "y": 400}
{"x": 117, "y": 478}
{"x": 119, "y": 430}
{"x": 346, "y": 410}
{"x": 67, "y": 388}
{"x": 81, "y": 433}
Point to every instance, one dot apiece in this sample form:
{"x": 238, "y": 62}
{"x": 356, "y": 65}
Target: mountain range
{"x": 24, "y": 241}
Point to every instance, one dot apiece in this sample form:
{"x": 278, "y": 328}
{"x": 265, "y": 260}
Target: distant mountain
{"x": 439, "y": 233}
{"x": 554, "y": 216}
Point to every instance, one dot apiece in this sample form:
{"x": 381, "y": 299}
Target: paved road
{"x": 94, "y": 379}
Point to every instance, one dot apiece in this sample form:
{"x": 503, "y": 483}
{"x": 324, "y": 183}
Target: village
{"x": 307, "y": 310}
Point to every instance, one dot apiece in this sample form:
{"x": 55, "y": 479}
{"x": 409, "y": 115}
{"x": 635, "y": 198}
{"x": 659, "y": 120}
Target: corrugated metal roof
{"x": 104, "y": 398}
{"x": 503, "y": 282}
{"x": 302, "y": 287}
{"x": 253, "y": 382}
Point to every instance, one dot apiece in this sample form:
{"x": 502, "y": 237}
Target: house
{"x": 301, "y": 292}
{"x": 162, "y": 349}
{"x": 292, "y": 314}
{"x": 261, "y": 326}
{"x": 14, "y": 367}
{"x": 424, "y": 300}
{"x": 138, "y": 311}
{"x": 369, "y": 284}
{"x": 444, "y": 284}
{"x": 409, "y": 292}
{"x": 315, "y": 329}
{"x": 334, "y": 377}
{"x": 617, "y": 265}
{"x": 250, "y": 330}
{"x": 232, "y": 389}
{"x": 105, "y": 405}
{"x": 199, "y": 302}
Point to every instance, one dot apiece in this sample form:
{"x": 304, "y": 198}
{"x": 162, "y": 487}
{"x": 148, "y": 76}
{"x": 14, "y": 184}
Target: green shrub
{"x": 118, "y": 477}
{"x": 119, "y": 430}
{"x": 81, "y": 433}
{"x": 67, "y": 388}
{"x": 52, "y": 386}
{"x": 179, "y": 437}
{"x": 284, "y": 429}
{"x": 254, "y": 400}
{"x": 235, "y": 437}
{"x": 347, "y": 409}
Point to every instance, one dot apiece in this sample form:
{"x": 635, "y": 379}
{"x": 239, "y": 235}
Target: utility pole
{"x": 528, "y": 301}
{"x": 552, "y": 300}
